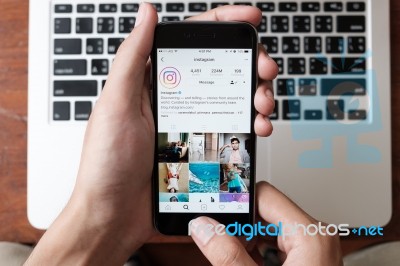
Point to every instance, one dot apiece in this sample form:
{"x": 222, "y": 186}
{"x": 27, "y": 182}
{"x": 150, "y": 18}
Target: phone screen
{"x": 204, "y": 122}
{"x": 204, "y": 80}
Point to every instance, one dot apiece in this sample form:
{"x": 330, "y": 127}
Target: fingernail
{"x": 201, "y": 230}
{"x": 141, "y": 13}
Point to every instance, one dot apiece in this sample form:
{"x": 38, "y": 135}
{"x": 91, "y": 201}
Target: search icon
{"x": 186, "y": 207}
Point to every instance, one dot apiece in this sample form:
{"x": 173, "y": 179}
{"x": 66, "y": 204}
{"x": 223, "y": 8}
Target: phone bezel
{"x": 193, "y": 35}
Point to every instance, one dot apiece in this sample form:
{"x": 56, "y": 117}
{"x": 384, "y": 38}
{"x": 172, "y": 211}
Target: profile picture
{"x": 170, "y": 77}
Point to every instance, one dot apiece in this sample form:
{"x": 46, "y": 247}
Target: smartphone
{"x": 204, "y": 77}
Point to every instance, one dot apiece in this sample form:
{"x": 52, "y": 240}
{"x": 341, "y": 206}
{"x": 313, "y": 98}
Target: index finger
{"x": 231, "y": 13}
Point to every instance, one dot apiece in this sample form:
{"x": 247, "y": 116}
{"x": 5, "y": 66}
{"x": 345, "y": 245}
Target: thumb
{"x": 218, "y": 247}
{"x": 125, "y": 81}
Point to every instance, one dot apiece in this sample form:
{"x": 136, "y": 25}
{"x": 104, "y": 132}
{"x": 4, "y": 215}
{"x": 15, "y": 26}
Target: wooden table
{"x": 14, "y": 225}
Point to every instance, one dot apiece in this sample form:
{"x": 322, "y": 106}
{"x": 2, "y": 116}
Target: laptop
{"x": 330, "y": 151}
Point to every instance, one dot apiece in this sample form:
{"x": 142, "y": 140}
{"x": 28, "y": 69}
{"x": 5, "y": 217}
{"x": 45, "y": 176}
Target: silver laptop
{"x": 331, "y": 147}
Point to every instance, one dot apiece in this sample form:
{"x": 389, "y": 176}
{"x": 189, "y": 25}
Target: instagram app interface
{"x": 204, "y": 125}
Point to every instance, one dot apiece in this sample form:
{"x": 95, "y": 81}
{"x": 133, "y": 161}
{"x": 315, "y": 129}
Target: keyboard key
{"x": 290, "y": 45}
{"x": 85, "y": 8}
{"x": 103, "y": 83}
{"x": 61, "y": 111}
{"x": 323, "y": 24}
{"x": 279, "y": 23}
{"x": 312, "y": 114}
{"x": 108, "y": 8}
{"x": 348, "y": 65}
{"x": 307, "y": 87}
{"x": 243, "y": 4}
{"x": 333, "y": 6}
{"x": 334, "y": 45}
{"x": 318, "y": 65}
{"x": 215, "y": 5}
{"x": 355, "y": 6}
{"x": 175, "y": 7}
{"x": 262, "y": 27}
{"x": 157, "y": 6}
{"x": 350, "y": 24}
{"x": 357, "y": 115}
{"x": 312, "y": 45}
{"x": 62, "y": 25}
{"x": 94, "y": 46}
{"x": 356, "y": 45}
{"x": 285, "y": 87}
{"x": 310, "y": 7}
{"x": 170, "y": 18}
{"x": 99, "y": 67}
{"x": 334, "y": 109}
{"x": 275, "y": 113}
{"x": 271, "y": 44}
{"x": 197, "y": 7}
{"x": 70, "y": 67}
{"x": 281, "y": 64}
{"x": 288, "y": 7}
{"x": 266, "y": 6}
{"x": 105, "y": 25}
{"x": 126, "y": 24}
{"x": 83, "y": 110}
{"x": 345, "y": 87}
{"x": 63, "y": 8}
{"x": 301, "y": 24}
{"x": 291, "y": 109}
{"x": 113, "y": 45}
{"x": 67, "y": 46}
{"x": 296, "y": 66}
{"x": 84, "y": 25}
{"x": 130, "y": 7}
{"x": 75, "y": 88}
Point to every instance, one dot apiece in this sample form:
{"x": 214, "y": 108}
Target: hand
{"x": 110, "y": 208}
{"x": 224, "y": 147}
{"x": 109, "y": 213}
{"x": 115, "y": 171}
{"x": 296, "y": 249}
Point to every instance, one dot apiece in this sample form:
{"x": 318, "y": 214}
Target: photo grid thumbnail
{"x": 212, "y": 167}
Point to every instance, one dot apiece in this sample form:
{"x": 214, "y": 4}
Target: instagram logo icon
{"x": 170, "y": 77}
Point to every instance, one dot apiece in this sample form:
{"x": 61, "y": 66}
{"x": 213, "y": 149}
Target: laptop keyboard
{"x": 319, "y": 46}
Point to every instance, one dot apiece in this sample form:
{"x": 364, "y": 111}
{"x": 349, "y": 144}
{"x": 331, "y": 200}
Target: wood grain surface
{"x": 14, "y": 225}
